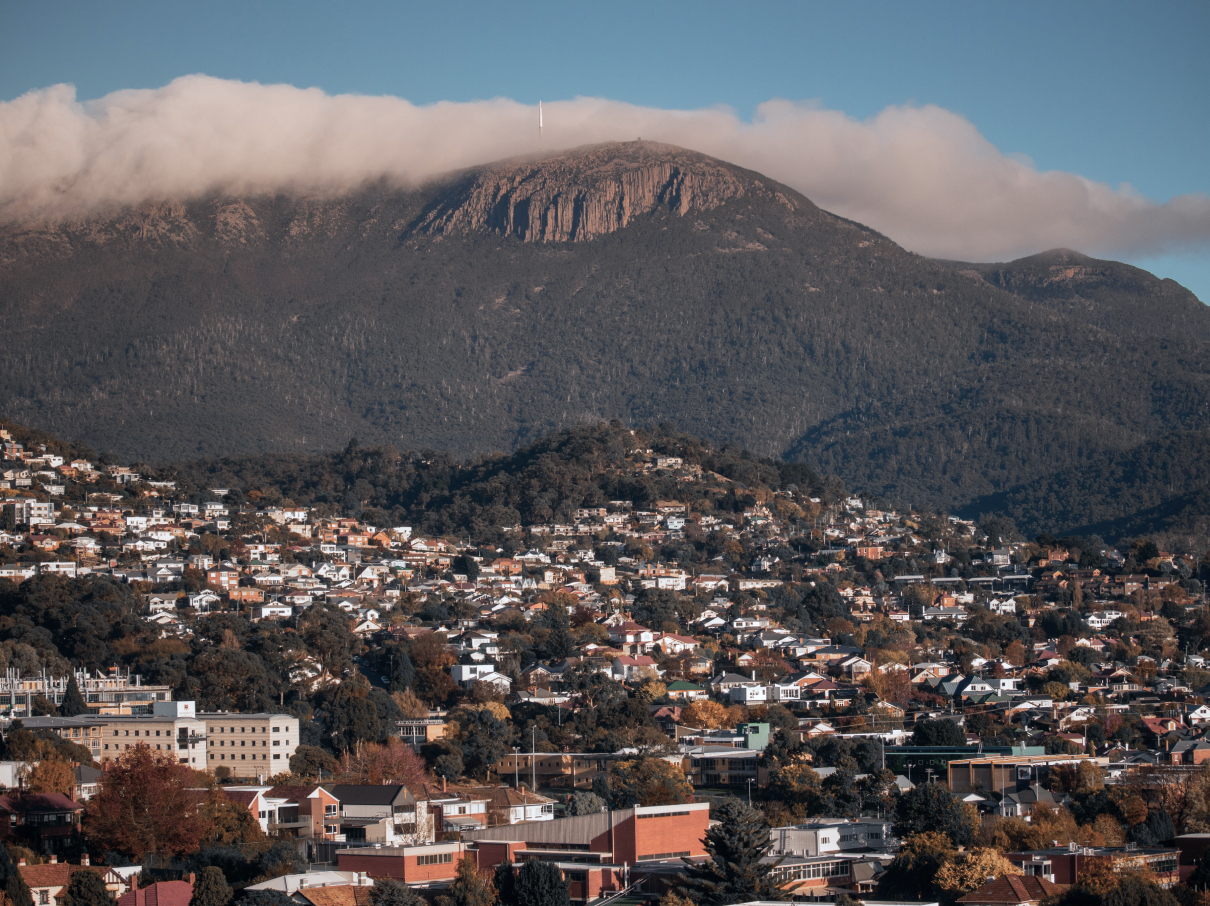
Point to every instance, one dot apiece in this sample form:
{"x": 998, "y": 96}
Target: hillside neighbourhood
{"x": 736, "y": 692}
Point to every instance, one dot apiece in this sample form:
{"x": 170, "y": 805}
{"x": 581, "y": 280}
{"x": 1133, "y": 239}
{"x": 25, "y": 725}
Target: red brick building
{"x": 418, "y": 866}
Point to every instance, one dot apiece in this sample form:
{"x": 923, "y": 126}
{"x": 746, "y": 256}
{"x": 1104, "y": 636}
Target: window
{"x": 277, "y": 729}
{"x": 43, "y": 897}
{"x": 665, "y": 815}
{"x": 653, "y": 856}
{"x": 439, "y": 859}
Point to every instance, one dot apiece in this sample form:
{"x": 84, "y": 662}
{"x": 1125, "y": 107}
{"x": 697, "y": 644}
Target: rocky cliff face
{"x": 586, "y": 193}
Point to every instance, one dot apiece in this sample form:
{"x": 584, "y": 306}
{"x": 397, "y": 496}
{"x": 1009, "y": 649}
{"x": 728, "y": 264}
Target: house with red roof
{"x": 161, "y": 893}
{"x": 49, "y": 820}
{"x": 47, "y": 883}
{"x": 1012, "y": 890}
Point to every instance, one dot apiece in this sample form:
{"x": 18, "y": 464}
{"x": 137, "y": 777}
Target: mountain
{"x": 1161, "y": 487}
{"x": 1109, "y": 295}
{"x": 640, "y": 281}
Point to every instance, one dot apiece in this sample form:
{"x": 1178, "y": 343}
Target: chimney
{"x": 21, "y": 861}
{"x": 84, "y": 859}
{"x": 191, "y": 877}
{"x": 54, "y": 860}
{"x": 443, "y": 784}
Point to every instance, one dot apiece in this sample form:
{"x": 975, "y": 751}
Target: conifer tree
{"x": 73, "y": 702}
{"x": 210, "y": 888}
{"x": 536, "y": 884}
{"x": 11, "y": 882}
{"x": 469, "y": 887}
{"x": 734, "y": 872}
{"x": 389, "y": 892}
{"x": 87, "y": 888}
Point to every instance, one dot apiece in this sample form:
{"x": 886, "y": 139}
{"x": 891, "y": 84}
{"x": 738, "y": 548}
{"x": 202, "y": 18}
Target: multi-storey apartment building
{"x": 250, "y": 744}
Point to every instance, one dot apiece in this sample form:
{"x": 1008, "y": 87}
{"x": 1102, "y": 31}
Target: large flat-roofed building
{"x": 629, "y": 835}
{"x": 1007, "y": 773}
{"x": 1063, "y": 864}
{"x": 172, "y": 729}
{"x": 421, "y": 865}
{"x": 250, "y": 744}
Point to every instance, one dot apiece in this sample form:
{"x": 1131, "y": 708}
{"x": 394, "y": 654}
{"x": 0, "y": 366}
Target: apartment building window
{"x": 440, "y": 859}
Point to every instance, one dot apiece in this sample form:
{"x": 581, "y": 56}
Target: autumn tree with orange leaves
{"x": 145, "y": 805}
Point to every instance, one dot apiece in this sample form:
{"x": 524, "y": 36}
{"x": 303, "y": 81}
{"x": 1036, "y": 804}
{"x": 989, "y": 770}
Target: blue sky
{"x": 1114, "y": 92}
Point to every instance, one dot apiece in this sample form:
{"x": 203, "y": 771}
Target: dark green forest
{"x": 168, "y": 334}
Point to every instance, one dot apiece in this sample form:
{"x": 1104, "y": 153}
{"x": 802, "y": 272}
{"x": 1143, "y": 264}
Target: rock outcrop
{"x": 585, "y": 193}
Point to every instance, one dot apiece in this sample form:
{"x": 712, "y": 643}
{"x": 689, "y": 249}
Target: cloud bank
{"x": 922, "y": 175}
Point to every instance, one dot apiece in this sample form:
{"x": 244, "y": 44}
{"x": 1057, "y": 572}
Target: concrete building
{"x": 250, "y": 745}
{"x": 171, "y": 729}
{"x": 827, "y": 836}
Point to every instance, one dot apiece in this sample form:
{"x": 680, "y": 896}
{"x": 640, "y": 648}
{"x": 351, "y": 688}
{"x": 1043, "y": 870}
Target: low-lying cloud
{"x": 922, "y": 175}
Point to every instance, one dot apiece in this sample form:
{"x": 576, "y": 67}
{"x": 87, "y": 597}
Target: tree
{"x": 73, "y": 702}
{"x": 938, "y": 733}
{"x": 649, "y": 781}
{"x": 733, "y": 873}
{"x": 389, "y": 892}
{"x": 469, "y": 887}
{"x": 912, "y": 872}
{"x": 210, "y": 888}
{"x": 536, "y": 884}
{"x": 971, "y": 870}
{"x": 392, "y": 762}
{"x": 265, "y": 898}
{"x": 325, "y": 629}
{"x": 795, "y": 784}
{"x": 351, "y": 715}
{"x": 86, "y": 888}
{"x": 432, "y": 659}
{"x": 311, "y": 761}
{"x": 584, "y": 802}
{"x": 144, "y": 805}
{"x": 11, "y": 882}
{"x": 230, "y": 823}
{"x": 559, "y": 643}
{"x": 53, "y": 777}
{"x": 931, "y": 807}
{"x": 403, "y": 672}
{"x": 484, "y": 740}
{"x": 704, "y": 715}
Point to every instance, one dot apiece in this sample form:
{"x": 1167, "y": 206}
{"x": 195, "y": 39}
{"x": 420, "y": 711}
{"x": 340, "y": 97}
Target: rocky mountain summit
{"x": 583, "y": 194}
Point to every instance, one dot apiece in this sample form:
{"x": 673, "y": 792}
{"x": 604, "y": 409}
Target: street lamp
{"x": 516, "y": 767}
{"x": 750, "y": 782}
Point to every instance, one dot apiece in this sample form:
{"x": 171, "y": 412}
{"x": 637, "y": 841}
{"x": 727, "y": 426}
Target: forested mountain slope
{"x": 636, "y": 281}
{"x": 1161, "y": 487}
